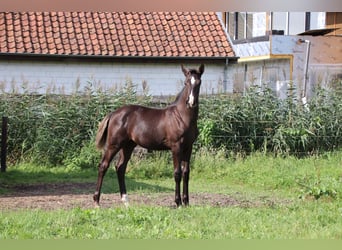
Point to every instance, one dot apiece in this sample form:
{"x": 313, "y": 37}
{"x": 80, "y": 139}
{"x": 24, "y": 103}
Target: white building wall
{"x": 68, "y": 77}
{"x": 259, "y": 24}
{"x": 272, "y": 73}
{"x": 317, "y": 20}
{"x": 324, "y": 64}
{"x": 293, "y": 23}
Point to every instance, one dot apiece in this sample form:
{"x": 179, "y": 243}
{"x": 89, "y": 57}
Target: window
{"x": 245, "y": 25}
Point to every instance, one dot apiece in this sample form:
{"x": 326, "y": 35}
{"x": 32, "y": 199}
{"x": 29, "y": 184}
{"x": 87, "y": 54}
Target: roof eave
{"x": 65, "y": 56}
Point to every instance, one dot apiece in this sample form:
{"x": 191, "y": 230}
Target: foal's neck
{"x": 188, "y": 114}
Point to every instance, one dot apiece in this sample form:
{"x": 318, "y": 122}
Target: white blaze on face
{"x": 191, "y": 96}
{"x": 191, "y": 99}
{"x": 192, "y": 80}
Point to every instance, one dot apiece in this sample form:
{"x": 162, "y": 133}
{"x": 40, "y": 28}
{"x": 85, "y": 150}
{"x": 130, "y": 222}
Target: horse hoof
{"x": 178, "y": 205}
{"x": 124, "y": 199}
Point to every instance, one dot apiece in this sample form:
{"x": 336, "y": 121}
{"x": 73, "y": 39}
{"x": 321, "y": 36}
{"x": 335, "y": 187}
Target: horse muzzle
{"x": 191, "y": 104}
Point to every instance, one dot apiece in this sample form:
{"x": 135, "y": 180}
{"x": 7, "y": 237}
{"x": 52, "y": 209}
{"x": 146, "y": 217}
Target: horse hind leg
{"x": 125, "y": 155}
{"x": 102, "y": 169}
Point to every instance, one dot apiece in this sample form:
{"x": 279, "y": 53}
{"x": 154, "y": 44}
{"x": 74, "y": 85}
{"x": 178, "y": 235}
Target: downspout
{"x": 287, "y": 25}
{"x": 225, "y": 76}
{"x": 308, "y": 45}
{"x": 225, "y": 70}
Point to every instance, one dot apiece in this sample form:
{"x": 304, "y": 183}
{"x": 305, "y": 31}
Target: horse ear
{"x": 185, "y": 70}
{"x": 201, "y": 69}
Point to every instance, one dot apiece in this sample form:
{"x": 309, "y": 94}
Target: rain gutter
{"x": 109, "y": 57}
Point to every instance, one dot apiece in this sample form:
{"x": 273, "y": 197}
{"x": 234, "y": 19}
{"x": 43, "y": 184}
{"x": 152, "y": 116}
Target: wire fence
{"x": 53, "y": 128}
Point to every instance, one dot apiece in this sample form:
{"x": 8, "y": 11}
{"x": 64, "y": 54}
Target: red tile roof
{"x": 157, "y": 34}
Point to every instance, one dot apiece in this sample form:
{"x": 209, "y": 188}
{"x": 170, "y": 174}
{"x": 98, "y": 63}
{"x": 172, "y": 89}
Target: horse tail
{"x": 101, "y": 135}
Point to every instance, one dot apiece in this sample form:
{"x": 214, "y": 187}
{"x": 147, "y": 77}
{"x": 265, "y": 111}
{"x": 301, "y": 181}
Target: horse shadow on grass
{"x": 17, "y": 183}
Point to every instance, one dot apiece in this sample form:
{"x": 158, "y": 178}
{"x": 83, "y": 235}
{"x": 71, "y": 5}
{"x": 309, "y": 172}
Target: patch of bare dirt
{"x": 72, "y": 195}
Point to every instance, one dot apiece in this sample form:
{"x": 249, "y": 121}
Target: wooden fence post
{"x": 4, "y": 143}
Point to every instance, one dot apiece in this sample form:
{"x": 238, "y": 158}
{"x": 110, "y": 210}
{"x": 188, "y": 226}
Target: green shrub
{"x": 86, "y": 157}
{"x": 59, "y": 129}
{"x": 257, "y": 121}
{"x": 47, "y": 129}
{"x": 153, "y": 165}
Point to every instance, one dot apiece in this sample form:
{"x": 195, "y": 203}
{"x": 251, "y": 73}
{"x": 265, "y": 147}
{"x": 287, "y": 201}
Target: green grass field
{"x": 289, "y": 198}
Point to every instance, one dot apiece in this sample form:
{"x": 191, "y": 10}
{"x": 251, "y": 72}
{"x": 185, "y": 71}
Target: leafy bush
{"x": 150, "y": 168}
{"x": 47, "y": 129}
{"x": 86, "y": 157}
{"x": 258, "y": 121}
{"x": 320, "y": 187}
{"x": 58, "y": 129}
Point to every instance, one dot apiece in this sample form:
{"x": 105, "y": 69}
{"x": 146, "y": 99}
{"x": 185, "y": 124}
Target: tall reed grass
{"x": 50, "y": 128}
{"x": 258, "y": 121}
{"x": 59, "y": 129}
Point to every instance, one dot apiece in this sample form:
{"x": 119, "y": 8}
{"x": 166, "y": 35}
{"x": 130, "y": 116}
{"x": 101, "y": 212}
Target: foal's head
{"x": 192, "y": 84}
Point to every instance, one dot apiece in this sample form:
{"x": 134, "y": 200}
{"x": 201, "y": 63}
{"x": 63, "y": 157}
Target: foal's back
{"x": 147, "y": 127}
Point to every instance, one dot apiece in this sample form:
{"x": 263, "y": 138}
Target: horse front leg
{"x": 120, "y": 172}
{"x": 177, "y": 173}
{"x": 186, "y": 176}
